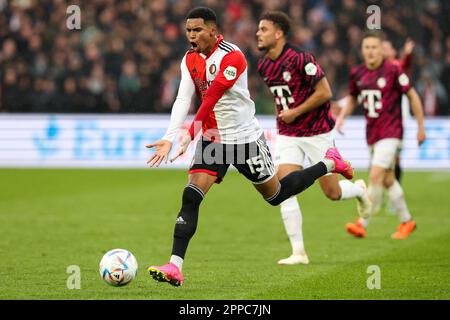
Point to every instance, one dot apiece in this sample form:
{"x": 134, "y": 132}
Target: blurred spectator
{"x": 126, "y": 56}
{"x": 433, "y": 94}
{"x": 129, "y": 85}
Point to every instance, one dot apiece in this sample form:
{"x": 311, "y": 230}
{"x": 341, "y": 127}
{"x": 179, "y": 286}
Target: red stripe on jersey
{"x": 204, "y": 171}
{"x": 232, "y": 66}
{"x": 197, "y": 69}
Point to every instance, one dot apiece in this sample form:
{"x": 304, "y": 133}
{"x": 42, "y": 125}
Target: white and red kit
{"x": 227, "y": 114}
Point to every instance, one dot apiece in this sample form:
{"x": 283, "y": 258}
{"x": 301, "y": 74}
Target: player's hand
{"x": 184, "y": 144}
{"x": 340, "y": 124}
{"x": 161, "y": 153}
{"x": 421, "y": 137}
{"x": 288, "y": 115}
{"x": 409, "y": 46}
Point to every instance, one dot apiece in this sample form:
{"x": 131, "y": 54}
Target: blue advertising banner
{"x": 106, "y": 141}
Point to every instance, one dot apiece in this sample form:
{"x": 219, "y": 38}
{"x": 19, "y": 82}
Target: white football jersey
{"x": 232, "y": 120}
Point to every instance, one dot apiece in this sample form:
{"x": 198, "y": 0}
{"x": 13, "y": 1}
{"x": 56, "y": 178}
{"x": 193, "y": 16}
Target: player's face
{"x": 201, "y": 35}
{"x": 372, "y": 51}
{"x": 267, "y": 35}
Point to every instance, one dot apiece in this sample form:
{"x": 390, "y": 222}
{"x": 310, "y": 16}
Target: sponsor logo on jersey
{"x": 212, "y": 69}
{"x": 230, "y": 73}
{"x": 287, "y": 76}
{"x": 403, "y": 79}
{"x": 311, "y": 69}
{"x": 381, "y": 82}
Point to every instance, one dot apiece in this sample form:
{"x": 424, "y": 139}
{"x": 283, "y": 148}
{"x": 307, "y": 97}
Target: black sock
{"x": 296, "y": 182}
{"x": 398, "y": 172}
{"x": 187, "y": 219}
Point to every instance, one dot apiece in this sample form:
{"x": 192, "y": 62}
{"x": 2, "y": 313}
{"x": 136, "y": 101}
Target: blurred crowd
{"x": 126, "y": 56}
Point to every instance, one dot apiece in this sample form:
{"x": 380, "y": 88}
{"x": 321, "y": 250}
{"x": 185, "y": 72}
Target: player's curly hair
{"x": 278, "y": 18}
{"x": 205, "y": 13}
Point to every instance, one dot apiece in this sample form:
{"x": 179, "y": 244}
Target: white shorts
{"x": 384, "y": 152}
{"x": 294, "y": 150}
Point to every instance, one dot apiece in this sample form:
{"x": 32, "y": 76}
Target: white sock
{"x": 292, "y": 219}
{"x": 397, "y": 197}
{"x": 178, "y": 261}
{"x": 329, "y": 164}
{"x": 349, "y": 190}
{"x": 376, "y": 195}
{"x": 364, "y": 222}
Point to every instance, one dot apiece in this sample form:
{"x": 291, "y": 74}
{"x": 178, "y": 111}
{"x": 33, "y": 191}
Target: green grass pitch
{"x": 51, "y": 219}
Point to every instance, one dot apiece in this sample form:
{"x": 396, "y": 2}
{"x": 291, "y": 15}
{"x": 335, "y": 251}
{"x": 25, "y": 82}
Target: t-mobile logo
{"x": 372, "y": 101}
{"x": 283, "y": 96}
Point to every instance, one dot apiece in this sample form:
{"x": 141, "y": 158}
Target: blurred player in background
{"x": 217, "y": 71}
{"x": 304, "y": 122}
{"x": 405, "y": 62}
{"x": 379, "y": 85}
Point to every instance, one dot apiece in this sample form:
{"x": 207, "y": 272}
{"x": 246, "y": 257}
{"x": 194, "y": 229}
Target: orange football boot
{"x": 404, "y": 229}
{"x": 356, "y": 229}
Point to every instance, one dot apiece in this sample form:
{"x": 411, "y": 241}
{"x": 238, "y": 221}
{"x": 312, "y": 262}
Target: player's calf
{"x": 298, "y": 181}
{"x": 186, "y": 223}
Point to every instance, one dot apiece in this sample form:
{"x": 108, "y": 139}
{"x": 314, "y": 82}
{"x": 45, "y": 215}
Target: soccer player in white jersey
{"x": 217, "y": 72}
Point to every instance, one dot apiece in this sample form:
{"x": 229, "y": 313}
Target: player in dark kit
{"x": 378, "y": 85}
{"x": 302, "y": 102}
{"x": 217, "y": 71}
{"x": 405, "y": 62}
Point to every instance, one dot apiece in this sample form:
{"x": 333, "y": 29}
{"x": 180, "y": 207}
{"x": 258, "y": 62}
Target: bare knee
{"x": 330, "y": 187}
{"x": 389, "y": 179}
{"x": 376, "y": 176}
{"x": 332, "y": 193}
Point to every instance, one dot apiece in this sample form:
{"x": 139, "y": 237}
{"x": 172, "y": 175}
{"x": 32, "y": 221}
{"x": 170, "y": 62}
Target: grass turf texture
{"x": 51, "y": 219}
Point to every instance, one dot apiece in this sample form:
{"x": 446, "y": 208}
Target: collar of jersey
{"x": 219, "y": 40}
{"x": 285, "y": 47}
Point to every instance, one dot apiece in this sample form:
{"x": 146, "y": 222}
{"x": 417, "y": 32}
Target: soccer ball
{"x": 118, "y": 267}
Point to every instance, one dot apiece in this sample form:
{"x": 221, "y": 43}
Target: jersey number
{"x": 256, "y": 164}
{"x": 372, "y": 102}
{"x": 283, "y": 96}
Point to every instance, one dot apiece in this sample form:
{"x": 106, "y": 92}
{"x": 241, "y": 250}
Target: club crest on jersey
{"x": 287, "y": 76}
{"x": 381, "y": 82}
{"x": 403, "y": 79}
{"x": 230, "y": 73}
{"x": 311, "y": 69}
{"x": 212, "y": 69}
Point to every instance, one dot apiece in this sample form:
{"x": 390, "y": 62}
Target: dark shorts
{"x": 253, "y": 159}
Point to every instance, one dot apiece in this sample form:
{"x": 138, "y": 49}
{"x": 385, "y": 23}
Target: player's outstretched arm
{"x": 162, "y": 149}
{"x": 345, "y": 112}
{"x": 417, "y": 109}
{"x": 178, "y": 116}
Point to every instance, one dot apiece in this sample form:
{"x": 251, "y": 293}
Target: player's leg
{"x": 315, "y": 148}
{"x": 292, "y": 220}
{"x": 383, "y": 154}
{"x": 375, "y": 192}
{"x": 289, "y": 157}
{"x": 398, "y": 169}
{"x": 258, "y": 167}
{"x": 397, "y": 198}
{"x": 276, "y": 191}
{"x": 202, "y": 175}
{"x": 185, "y": 227}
